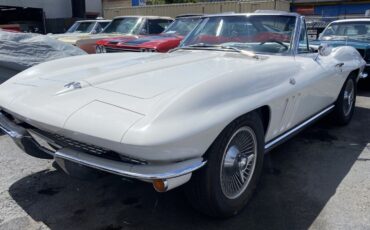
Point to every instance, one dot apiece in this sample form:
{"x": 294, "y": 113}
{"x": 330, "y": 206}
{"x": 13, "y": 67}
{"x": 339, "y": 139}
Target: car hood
{"x": 57, "y": 36}
{"x": 79, "y": 37}
{"x": 116, "y": 40}
{"x": 151, "y": 41}
{"x": 140, "y": 75}
{"x": 103, "y": 35}
{"x": 139, "y": 83}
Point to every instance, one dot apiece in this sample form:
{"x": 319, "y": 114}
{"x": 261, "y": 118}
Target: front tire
{"x": 345, "y": 104}
{"x": 234, "y": 163}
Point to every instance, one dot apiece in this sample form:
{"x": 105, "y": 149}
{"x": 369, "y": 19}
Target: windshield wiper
{"x": 207, "y": 46}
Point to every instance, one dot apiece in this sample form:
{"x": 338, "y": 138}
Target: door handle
{"x": 339, "y": 64}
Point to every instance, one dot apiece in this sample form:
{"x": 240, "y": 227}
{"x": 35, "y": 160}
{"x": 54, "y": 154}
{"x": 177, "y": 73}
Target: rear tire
{"x": 234, "y": 163}
{"x": 345, "y": 104}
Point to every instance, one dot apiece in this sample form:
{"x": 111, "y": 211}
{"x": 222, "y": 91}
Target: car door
{"x": 317, "y": 81}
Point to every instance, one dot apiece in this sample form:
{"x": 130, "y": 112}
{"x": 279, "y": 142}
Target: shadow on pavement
{"x": 307, "y": 171}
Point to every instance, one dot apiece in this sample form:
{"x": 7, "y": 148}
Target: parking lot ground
{"x": 319, "y": 180}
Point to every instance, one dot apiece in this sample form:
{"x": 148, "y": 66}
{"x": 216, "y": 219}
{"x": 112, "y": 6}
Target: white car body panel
{"x": 153, "y": 116}
{"x": 170, "y": 107}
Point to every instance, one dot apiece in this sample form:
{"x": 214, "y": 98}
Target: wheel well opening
{"x": 355, "y": 72}
{"x": 265, "y": 117}
{"x": 264, "y": 113}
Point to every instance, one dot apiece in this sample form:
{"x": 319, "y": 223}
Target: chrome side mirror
{"x": 324, "y": 50}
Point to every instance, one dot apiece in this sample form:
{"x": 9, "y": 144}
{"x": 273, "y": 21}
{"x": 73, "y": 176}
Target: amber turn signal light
{"x": 160, "y": 185}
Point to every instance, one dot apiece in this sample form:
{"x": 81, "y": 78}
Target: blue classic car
{"x": 348, "y": 32}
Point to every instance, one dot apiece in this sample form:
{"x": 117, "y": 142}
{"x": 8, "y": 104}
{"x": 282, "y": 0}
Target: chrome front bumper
{"x": 23, "y": 139}
{"x": 146, "y": 172}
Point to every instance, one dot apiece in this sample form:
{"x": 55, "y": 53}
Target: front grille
{"x": 58, "y": 141}
{"x": 66, "y": 142}
{"x": 116, "y": 50}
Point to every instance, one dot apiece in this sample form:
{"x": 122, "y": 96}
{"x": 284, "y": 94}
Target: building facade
{"x": 47, "y": 15}
{"x": 331, "y": 8}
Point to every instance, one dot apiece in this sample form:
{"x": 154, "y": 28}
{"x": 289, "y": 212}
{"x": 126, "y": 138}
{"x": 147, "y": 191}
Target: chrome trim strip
{"x": 270, "y": 145}
{"x": 142, "y": 172}
{"x": 11, "y": 129}
{"x": 23, "y": 139}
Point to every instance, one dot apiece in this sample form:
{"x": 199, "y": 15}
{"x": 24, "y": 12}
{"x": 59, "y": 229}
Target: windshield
{"x": 81, "y": 27}
{"x": 182, "y": 26}
{"x": 124, "y": 26}
{"x": 347, "y": 29}
{"x": 257, "y": 33}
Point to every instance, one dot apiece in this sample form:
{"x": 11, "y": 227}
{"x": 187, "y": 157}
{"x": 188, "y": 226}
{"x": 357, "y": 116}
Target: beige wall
{"x": 173, "y": 10}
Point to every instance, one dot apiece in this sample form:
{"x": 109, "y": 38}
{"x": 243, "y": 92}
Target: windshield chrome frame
{"x": 300, "y": 22}
{"x": 294, "y": 42}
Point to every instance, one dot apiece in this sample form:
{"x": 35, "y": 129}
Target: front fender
{"x": 188, "y": 125}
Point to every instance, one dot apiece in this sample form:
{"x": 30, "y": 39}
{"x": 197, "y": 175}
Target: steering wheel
{"x": 277, "y": 42}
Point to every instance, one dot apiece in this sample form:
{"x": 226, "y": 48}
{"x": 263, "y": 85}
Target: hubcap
{"x": 349, "y": 97}
{"x": 238, "y": 162}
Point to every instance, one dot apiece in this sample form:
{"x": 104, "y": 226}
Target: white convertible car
{"x": 203, "y": 114}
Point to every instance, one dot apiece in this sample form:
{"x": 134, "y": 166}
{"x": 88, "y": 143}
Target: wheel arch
{"x": 264, "y": 112}
{"x": 355, "y": 72}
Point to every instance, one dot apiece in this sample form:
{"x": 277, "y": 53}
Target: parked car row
{"x": 131, "y": 26}
{"x": 161, "y": 34}
{"x": 202, "y": 115}
{"x": 169, "y": 39}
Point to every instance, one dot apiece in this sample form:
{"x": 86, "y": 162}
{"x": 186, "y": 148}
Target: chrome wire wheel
{"x": 238, "y": 163}
{"x": 349, "y": 97}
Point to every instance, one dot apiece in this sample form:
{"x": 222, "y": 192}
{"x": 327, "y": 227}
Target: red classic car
{"x": 163, "y": 42}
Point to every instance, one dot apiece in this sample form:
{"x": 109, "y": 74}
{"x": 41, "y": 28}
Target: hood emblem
{"x": 73, "y": 85}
